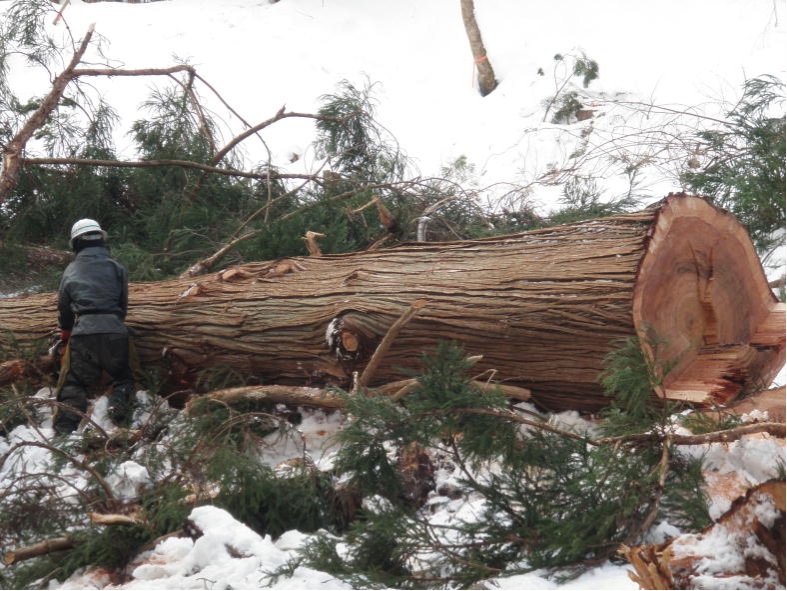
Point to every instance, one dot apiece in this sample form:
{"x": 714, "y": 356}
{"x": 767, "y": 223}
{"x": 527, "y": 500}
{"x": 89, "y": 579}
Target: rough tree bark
{"x": 486, "y": 74}
{"x": 543, "y": 308}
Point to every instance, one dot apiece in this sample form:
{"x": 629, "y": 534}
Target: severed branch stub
{"x": 114, "y": 519}
{"x": 39, "y": 549}
{"x": 385, "y": 344}
{"x": 311, "y": 243}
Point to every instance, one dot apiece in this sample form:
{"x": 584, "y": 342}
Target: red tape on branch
{"x": 480, "y": 59}
{"x": 60, "y": 12}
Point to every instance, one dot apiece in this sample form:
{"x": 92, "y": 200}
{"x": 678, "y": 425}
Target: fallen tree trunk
{"x": 543, "y": 308}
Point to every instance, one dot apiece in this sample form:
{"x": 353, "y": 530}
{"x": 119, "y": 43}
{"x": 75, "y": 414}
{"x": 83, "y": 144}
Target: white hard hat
{"x": 86, "y": 229}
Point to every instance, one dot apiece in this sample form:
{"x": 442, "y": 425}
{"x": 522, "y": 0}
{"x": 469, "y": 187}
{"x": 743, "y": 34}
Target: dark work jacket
{"x": 93, "y": 294}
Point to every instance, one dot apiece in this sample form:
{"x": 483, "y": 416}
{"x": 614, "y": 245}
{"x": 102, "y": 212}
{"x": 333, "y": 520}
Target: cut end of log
{"x": 703, "y": 306}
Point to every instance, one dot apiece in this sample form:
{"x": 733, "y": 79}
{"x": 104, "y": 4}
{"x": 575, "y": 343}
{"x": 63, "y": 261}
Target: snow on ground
{"x": 229, "y": 555}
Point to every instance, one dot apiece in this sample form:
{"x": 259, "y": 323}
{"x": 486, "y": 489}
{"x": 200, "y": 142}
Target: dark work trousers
{"x": 91, "y": 355}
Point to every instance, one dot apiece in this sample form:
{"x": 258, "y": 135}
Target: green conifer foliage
{"x": 745, "y": 170}
{"x": 630, "y": 380}
{"x": 356, "y": 144}
{"x": 544, "y": 498}
{"x": 583, "y": 200}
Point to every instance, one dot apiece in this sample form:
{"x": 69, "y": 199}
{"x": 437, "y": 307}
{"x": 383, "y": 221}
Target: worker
{"x": 92, "y": 307}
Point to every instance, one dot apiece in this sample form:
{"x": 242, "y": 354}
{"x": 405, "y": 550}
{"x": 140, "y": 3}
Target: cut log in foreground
{"x": 543, "y": 308}
{"x": 744, "y": 547}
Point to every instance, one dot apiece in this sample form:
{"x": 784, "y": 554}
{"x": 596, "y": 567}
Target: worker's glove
{"x": 59, "y": 334}
{"x": 59, "y": 339}
{"x": 56, "y": 349}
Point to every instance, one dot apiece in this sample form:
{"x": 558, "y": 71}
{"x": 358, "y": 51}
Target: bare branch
{"x": 12, "y": 163}
{"x": 203, "y": 266}
{"x": 39, "y": 549}
{"x": 277, "y": 117}
{"x": 298, "y": 395}
{"x": 111, "y": 72}
{"x": 387, "y": 341}
{"x": 76, "y": 462}
{"x": 114, "y": 519}
{"x": 726, "y": 436}
{"x": 155, "y": 163}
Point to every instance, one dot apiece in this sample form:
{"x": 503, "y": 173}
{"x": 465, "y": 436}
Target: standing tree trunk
{"x": 486, "y": 75}
{"x": 543, "y": 308}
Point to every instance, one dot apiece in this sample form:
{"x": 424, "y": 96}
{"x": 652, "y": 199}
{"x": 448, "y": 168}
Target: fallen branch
{"x": 297, "y": 395}
{"x": 15, "y": 370}
{"x": 164, "y": 162}
{"x": 203, "y": 266}
{"x": 12, "y": 161}
{"x": 39, "y": 549}
{"x": 726, "y": 436}
{"x": 656, "y": 495}
{"x": 326, "y": 398}
{"x": 281, "y": 114}
{"x": 109, "y": 72}
{"x": 113, "y": 519}
{"x": 403, "y": 387}
{"x": 79, "y": 464}
{"x": 386, "y": 343}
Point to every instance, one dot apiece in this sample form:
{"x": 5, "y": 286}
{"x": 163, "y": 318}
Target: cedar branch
{"x": 110, "y": 72}
{"x": 156, "y": 163}
{"x": 12, "y": 158}
{"x": 726, "y": 436}
{"x": 76, "y": 462}
{"x": 657, "y": 494}
{"x": 12, "y": 162}
{"x": 281, "y": 114}
{"x": 39, "y": 549}
{"x": 387, "y": 341}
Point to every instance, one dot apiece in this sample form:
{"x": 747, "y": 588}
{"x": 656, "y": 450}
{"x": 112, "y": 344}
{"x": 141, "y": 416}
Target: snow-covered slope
{"x": 261, "y": 56}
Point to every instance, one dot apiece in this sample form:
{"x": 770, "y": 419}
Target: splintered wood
{"x": 745, "y": 547}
